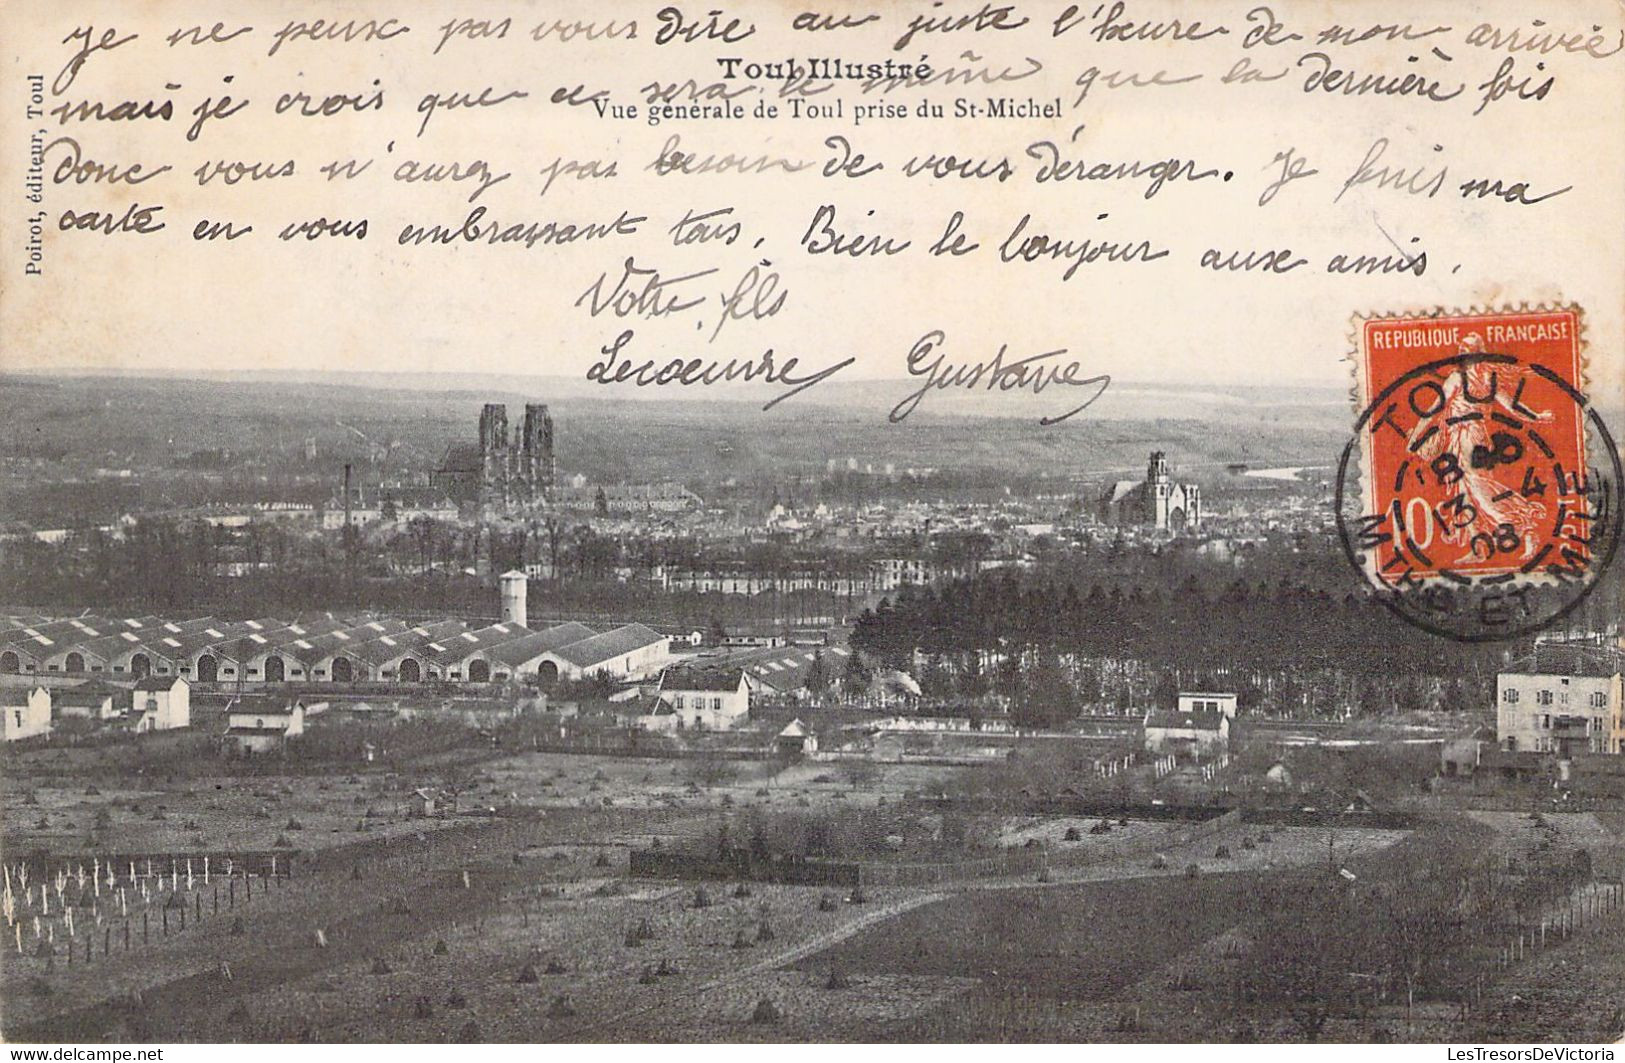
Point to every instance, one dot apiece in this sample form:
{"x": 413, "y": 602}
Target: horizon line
{"x": 200, "y": 373}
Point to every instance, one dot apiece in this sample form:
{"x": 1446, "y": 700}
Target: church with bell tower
{"x": 1156, "y": 502}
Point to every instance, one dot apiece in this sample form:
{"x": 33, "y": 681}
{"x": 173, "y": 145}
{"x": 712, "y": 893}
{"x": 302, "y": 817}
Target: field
{"x": 547, "y": 892}
{"x": 211, "y": 814}
{"x": 67, "y": 802}
{"x": 553, "y": 779}
{"x": 1083, "y": 942}
{"x": 514, "y": 918}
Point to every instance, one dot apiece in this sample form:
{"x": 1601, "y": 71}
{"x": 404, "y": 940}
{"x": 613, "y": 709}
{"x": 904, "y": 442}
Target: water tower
{"x": 513, "y": 597}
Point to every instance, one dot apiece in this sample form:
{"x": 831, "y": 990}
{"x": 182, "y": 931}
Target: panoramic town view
{"x": 510, "y": 714}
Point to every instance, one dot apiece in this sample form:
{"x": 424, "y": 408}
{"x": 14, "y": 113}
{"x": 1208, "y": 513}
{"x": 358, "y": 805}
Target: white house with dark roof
{"x": 25, "y": 712}
{"x": 643, "y": 711}
{"x": 707, "y": 698}
{"x": 1567, "y": 698}
{"x": 782, "y": 671}
{"x": 1187, "y": 734}
{"x": 160, "y": 703}
{"x": 262, "y": 723}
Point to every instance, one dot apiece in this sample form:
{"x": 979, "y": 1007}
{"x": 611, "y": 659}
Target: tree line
{"x": 1040, "y": 646}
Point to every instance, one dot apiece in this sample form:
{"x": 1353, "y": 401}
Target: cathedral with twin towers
{"x": 503, "y": 469}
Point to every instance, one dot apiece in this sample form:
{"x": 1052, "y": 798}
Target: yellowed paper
{"x": 1069, "y": 520}
{"x": 1161, "y": 191}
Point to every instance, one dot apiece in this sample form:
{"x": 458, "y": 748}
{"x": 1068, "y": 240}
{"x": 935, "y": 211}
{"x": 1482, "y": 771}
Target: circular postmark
{"x": 1466, "y": 500}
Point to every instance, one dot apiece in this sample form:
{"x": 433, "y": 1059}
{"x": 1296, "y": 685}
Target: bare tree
{"x": 555, "y": 542}
{"x": 860, "y": 773}
{"x": 1306, "y": 955}
{"x": 710, "y": 770}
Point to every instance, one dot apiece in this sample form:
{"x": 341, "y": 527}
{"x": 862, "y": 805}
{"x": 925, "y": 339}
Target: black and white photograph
{"x": 868, "y": 523}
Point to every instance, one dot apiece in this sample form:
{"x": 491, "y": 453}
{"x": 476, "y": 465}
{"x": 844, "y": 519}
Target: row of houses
{"x": 876, "y": 576}
{"x": 326, "y": 649}
{"x": 154, "y": 703}
{"x": 714, "y": 692}
{"x": 679, "y": 698}
{"x": 1563, "y": 702}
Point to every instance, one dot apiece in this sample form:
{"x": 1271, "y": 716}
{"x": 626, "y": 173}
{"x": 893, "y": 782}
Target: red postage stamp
{"x": 1472, "y": 452}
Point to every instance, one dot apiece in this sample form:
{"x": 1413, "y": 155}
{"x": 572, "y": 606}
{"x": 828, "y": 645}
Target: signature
{"x": 927, "y": 360}
{"x": 614, "y": 367}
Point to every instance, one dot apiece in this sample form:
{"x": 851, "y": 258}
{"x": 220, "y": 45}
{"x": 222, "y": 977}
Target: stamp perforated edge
{"x": 1359, "y": 393}
{"x": 1359, "y": 397}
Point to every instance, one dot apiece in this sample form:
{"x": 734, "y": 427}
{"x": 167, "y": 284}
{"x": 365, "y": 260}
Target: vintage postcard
{"x": 849, "y": 521}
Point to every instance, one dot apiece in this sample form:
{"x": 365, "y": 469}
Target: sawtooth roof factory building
{"x": 326, "y": 649}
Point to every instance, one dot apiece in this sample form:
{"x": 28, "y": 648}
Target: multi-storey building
{"x": 1568, "y": 699}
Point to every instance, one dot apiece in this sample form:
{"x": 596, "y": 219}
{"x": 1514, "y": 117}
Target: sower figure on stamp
{"x": 1463, "y": 444}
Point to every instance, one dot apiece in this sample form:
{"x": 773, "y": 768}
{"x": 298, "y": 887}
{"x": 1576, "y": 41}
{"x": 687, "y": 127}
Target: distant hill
{"x": 687, "y": 434}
